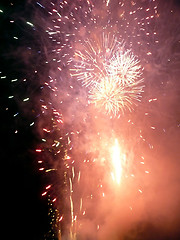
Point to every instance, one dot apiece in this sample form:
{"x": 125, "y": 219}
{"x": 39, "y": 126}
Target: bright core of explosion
{"x": 117, "y": 159}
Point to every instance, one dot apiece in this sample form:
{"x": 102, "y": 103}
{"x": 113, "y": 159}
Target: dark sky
{"x": 26, "y": 210}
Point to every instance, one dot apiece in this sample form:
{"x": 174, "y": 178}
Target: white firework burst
{"x": 113, "y": 97}
{"x": 112, "y": 74}
{"x": 126, "y": 67}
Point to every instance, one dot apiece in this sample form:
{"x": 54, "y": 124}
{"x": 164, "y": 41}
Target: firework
{"x": 126, "y": 67}
{"x": 112, "y": 74}
{"x": 75, "y": 147}
{"x": 113, "y": 97}
{"x": 105, "y": 57}
{"x": 94, "y": 62}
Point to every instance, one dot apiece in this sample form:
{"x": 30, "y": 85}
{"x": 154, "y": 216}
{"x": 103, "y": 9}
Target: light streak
{"x": 44, "y": 193}
{"x": 38, "y": 150}
{"x": 72, "y": 210}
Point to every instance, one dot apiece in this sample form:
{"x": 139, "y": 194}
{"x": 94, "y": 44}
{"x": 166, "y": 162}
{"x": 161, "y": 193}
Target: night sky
{"x": 27, "y": 212}
{"x": 23, "y": 57}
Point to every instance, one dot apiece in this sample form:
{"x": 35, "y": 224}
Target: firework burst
{"x": 113, "y": 97}
{"x": 93, "y": 63}
{"x": 126, "y": 67}
{"x": 112, "y": 74}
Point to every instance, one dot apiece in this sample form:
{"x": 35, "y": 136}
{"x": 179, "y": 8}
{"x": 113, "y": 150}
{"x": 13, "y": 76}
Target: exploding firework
{"x": 126, "y": 67}
{"x": 114, "y": 97}
{"x": 94, "y": 62}
{"x": 113, "y": 75}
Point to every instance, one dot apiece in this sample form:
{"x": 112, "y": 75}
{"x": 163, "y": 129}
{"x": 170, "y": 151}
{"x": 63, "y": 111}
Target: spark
{"x": 14, "y": 80}
{"x": 39, "y": 150}
{"x": 51, "y": 169}
{"x": 40, "y": 5}
{"x": 26, "y": 99}
{"x": 44, "y": 193}
{"x": 48, "y": 187}
{"x": 72, "y": 209}
{"x": 11, "y": 97}
{"x": 140, "y": 190}
{"x": 30, "y": 24}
